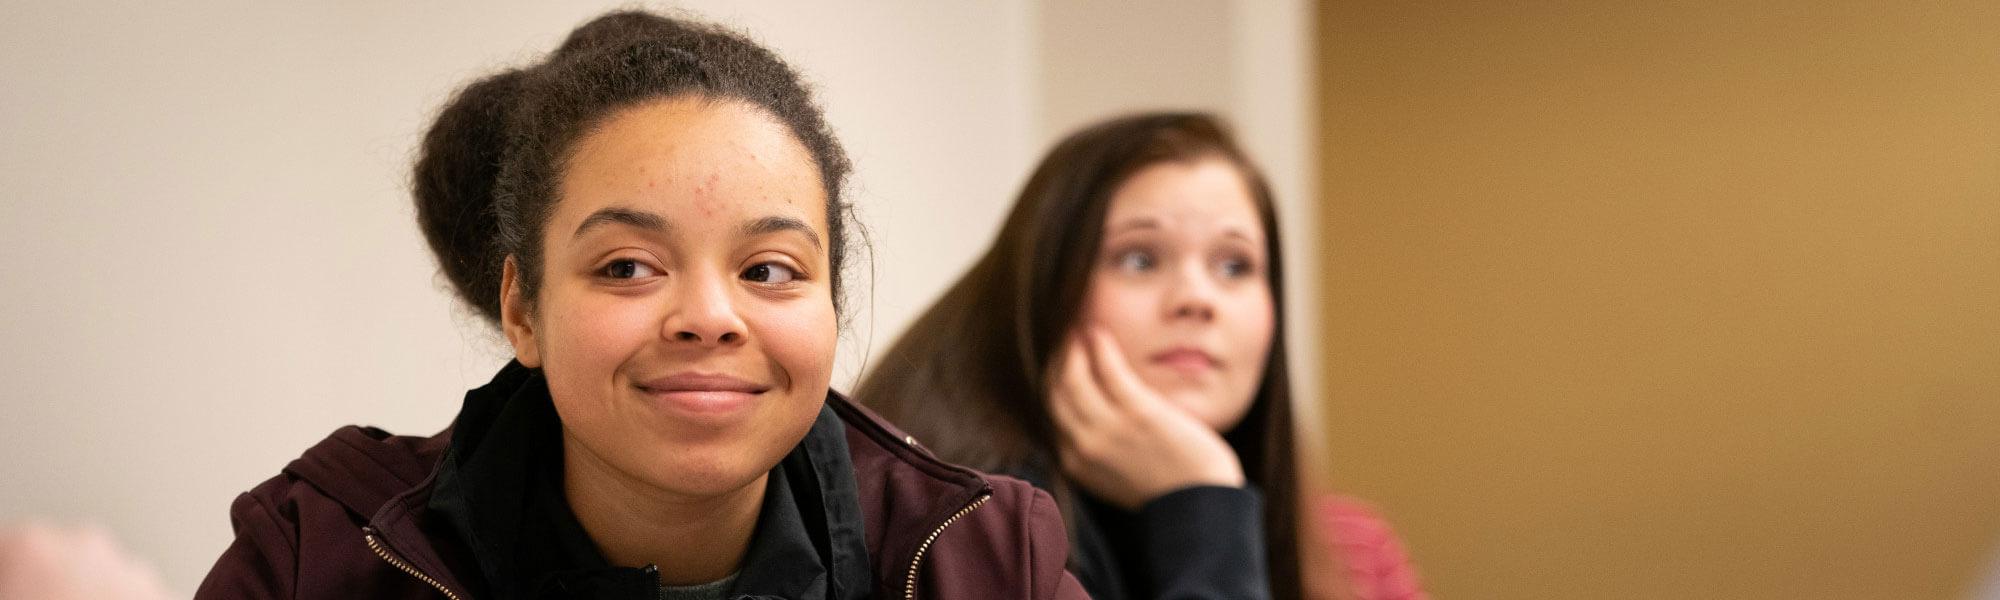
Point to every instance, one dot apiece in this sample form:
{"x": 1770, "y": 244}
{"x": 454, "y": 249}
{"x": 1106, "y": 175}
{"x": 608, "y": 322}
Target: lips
{"x": 704, "y": 396}
{"x": 1186, "y": 359}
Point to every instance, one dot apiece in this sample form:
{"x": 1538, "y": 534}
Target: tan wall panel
{"x": 1628, "y": 300}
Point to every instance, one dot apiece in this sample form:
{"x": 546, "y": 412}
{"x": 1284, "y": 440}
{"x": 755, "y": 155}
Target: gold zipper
{"x": 910, "y": 584}
{"x": 376, "y": 545}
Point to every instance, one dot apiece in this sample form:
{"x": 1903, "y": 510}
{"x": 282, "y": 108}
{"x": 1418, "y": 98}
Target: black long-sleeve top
{"x": 1202, "y": 542}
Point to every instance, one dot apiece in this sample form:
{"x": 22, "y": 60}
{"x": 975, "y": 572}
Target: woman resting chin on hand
{"x": 1121, "y": 346}
{"x": 1123, "y": 442}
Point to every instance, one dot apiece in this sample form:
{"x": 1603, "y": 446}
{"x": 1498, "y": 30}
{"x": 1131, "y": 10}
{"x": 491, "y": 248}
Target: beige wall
{"x": 208, "y": 255}
{"x": 1668, "y": 300}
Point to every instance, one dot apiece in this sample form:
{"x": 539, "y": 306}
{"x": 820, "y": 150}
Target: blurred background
{"x": 1647, "y": 300}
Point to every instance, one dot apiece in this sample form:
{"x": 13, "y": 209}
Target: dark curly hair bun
{"x": 453, "y": 186}
{"x": 486, "y": 179}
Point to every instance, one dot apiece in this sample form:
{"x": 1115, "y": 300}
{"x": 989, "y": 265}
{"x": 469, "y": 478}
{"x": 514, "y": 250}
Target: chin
{"x": 1195, "y": 403}
{"x": 705, "y": 478}
{"x": 708, "y": 461}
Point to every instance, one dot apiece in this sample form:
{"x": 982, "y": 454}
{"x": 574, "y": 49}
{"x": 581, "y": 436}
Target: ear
{"x": 516, "y": 320}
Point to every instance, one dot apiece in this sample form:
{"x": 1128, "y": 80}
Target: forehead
{"x": 711, "y": 157}
{"x": 1209, "y": 194}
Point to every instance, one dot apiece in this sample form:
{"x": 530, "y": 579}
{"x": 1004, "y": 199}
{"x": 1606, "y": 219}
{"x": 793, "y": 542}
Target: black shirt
{"x": 1197, "y": 542}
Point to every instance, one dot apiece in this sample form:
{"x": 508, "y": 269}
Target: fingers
{"x": 1082, "y": 415}
{"x": 1114, "y": 372}
{"x": 1077, "y": 391}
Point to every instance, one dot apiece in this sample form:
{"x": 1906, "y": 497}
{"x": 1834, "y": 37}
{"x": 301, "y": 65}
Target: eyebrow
{"x": 1151, "y": 223}
{"x": 650, "y": 221}
{"x": 769, "y": 225}
{"x": 623, "y": 216}
{"x": 1136, "y": 223}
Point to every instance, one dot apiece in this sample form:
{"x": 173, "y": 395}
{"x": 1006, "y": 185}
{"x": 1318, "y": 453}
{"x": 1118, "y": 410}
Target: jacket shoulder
{"x": 1017, "y": 528}
{"x": 363, "y": 467}
{"x": 357, "y": 468}
{"x": 302, "y": 530}
{"x": 956, "y": 532}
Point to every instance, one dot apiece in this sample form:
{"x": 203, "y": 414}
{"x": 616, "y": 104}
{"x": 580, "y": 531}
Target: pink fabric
{"x": 1376, "y": 565}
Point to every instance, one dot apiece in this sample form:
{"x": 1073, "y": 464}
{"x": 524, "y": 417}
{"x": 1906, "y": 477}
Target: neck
{"x": 691, "y": 539}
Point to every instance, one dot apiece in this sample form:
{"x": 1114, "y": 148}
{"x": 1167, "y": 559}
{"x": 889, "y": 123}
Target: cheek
{"x": 1249, "y": 331}
{"x": 1124, "y": 310}
{"x": 585, "y": 340}
{"x": 800, "y": 338}
{"x": 1254, "y": 325}
{"x": 594, "y": 333}
{"x": 1244, "y": 327}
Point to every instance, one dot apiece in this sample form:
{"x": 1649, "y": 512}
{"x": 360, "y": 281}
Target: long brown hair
{"x": 969, "y": 378}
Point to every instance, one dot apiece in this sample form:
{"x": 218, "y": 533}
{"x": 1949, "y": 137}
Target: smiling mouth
{"x": 702, "y": 395}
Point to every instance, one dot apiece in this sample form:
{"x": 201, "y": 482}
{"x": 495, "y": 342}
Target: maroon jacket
{"x": 350, "y": 519}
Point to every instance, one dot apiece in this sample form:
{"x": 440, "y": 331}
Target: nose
{"x": 702, "y": 313}
{"x": 1191, "y": 295}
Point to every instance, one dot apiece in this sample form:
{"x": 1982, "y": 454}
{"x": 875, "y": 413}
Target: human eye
{"x": 1135, "y": 260}
{"x": 626, "y": 268}
{"x": 772, "y": 273}
{"x": 1236, "y": 267}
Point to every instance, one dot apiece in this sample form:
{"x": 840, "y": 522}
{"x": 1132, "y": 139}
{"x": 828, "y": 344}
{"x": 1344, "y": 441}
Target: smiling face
{"x": 1181, "y": 284}
{"x": 685, "y": 320}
